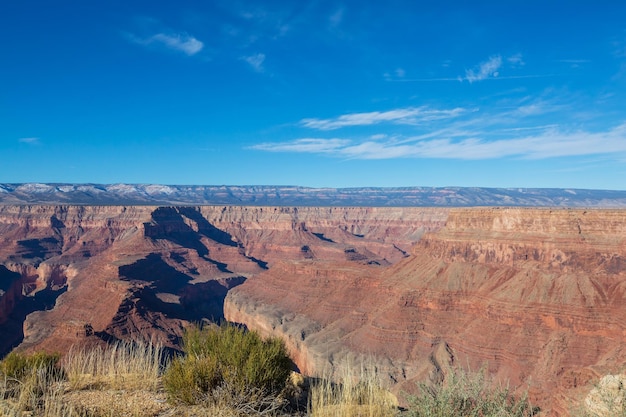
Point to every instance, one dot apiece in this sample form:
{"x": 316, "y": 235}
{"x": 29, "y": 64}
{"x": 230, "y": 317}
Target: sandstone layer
{"x": 76, "y": 274}
{"x": 536, "y": 295}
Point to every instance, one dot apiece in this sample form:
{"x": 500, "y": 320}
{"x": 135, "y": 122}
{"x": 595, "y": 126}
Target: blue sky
{"x": 314, "y": 93}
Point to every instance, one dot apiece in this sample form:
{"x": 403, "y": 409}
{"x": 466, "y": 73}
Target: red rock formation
{"x": 106, "y": 272}
{"x": 537, "y": 294}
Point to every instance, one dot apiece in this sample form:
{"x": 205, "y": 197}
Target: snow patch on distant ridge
{"x": 122, "y": 188}
{"x": 159, "y": 189}
{"x": 35, "y": 188}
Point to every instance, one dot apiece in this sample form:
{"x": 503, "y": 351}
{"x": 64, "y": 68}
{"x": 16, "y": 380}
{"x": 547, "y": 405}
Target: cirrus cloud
{"x": 485, "y": 70}
{"x": 548, "y": 142}
{"x": 305, "y": 145}
{"x": 410, "y": 116}
{"x": 30, "y": 141}
{"x": 181, "y": 42}
{"x": 256, "y": 61}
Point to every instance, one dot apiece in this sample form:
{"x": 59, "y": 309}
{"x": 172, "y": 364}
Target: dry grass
{"x": 120, "y": 380}
{"x": 124, "y": 380}
{"x": 37, "y": 393}
{"x": 123, "y": 365}
{"x": 359, "y": 393}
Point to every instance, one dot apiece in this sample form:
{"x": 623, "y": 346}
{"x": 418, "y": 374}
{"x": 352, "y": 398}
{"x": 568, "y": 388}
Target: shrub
{"x": 189, "y": 379}
{"x": 18, "y": 365}
{"x": 469, "y": 395}
{"x": 29, "y": 382}
{"x": 227, "y": 364}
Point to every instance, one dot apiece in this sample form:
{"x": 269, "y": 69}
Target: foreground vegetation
{"x": 469, "y": 394}
{"x": 358, "y": 393}
{"x": 227, "y": 367}
{"x": 224, "y": 372}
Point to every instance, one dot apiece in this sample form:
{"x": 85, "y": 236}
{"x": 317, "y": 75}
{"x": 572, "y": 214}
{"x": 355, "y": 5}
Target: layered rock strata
{"x": 74, "y": 274}
{"x": 536, "y": 295}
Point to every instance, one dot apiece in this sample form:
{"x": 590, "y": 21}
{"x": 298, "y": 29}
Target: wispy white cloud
{"x": 410, "y": 115}
{"x": 526, "y": 127}
{"x": 388, "y": 77}
{"x": 520, "y": 129}
{"x": 256, "y": 61}
{"x": 305, "y": 145}
{"x": 490, "y": 69}
{"x": 484, "y": 70}
{"x": 181, "y": 42}
{"x": 30, "y": 141}
{"x": 547, "y": 143}
{"x": 537, "y": 107}
{"x": 378, "y": 136}
{"x": 574, "y": 61}
{"x": 516, "y": 60}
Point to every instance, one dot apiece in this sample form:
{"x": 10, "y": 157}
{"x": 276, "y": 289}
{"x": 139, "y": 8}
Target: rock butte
{"x": 536, "y": 295}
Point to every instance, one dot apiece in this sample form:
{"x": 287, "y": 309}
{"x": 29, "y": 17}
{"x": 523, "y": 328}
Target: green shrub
{"x": 26, "y": 381}
{"x": 227, "y": 359}
{"x": 464, "y": 394}
{"x": 189, "y": 379}
{"x": 18, "y": 365}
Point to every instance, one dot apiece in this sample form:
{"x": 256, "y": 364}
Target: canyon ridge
{"x": 535, "y": 295}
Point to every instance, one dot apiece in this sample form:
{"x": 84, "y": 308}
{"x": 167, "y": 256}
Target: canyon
{"x": 534, "y": 295}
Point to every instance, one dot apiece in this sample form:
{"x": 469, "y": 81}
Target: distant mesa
{"x": 267, "y": 195}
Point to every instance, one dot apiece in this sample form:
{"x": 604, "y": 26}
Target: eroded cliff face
{"x": 79, "y": 274}
{"x": 536, "y": 295}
